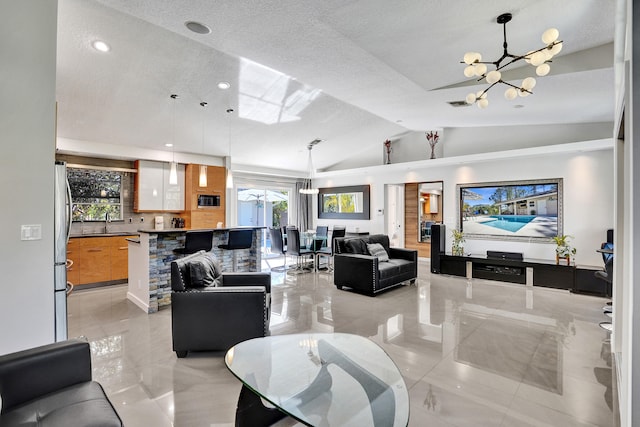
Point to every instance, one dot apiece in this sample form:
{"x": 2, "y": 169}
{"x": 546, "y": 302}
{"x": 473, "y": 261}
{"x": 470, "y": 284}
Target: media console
{"x": 525, "y": 271}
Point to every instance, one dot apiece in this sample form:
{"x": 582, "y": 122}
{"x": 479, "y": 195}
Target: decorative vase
{"x": 457, "y": 249}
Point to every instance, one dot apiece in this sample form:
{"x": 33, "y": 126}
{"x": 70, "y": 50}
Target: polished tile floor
{"x": 472, "y": 353}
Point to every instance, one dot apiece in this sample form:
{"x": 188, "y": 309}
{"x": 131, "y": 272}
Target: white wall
{"x": 588, "y": 193}
{"x": 27, "y": 129}
{"x": 412, "y": 146}
{"x": 463, "y": 141}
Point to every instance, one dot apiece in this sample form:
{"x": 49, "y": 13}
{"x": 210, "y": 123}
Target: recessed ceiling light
{"x": 100, "y": 46}
{"x": 168, "y": 145}
{"x": 197, "y": 27}
{"x": 224, "y": 85}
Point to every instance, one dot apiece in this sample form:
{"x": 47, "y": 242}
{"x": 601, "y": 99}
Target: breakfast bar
{"x": 151, "y": 254}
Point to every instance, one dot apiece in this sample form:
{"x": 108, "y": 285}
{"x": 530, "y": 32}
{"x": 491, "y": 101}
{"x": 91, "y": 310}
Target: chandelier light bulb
{"x": 480, "y": 69}
{"x": 471, "y": 98}
{"x": 471, "y": 57}
{"x": 523, "y": 93}
{"x": 493, "y": 76}
{"x": 550, "y": 35}
{"x": 543, "y": 70}
{"x": 557, "y": 47}
{"x": 527, "y": 57}
{"x": 529, "y": 83}
{"x": 538, "y": 58}
{"x": 468, "y": 58}
{"x": 511, "y": 94}
{"x": 483, "y": 103}
{"x": 481, "y": 94}
{"x": 469, "y": 71}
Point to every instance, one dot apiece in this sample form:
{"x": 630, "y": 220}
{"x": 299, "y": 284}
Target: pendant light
{"x": 228, "y": 161}
{"x": 202, "y": 181}
{"x": 173, "y": 171}
{"x": 307, "y": 187}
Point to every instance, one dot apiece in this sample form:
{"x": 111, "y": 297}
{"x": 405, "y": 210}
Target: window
{"x": 96, "y": 194}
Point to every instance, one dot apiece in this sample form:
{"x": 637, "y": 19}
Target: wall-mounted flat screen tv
{"x": 511, "y": 210}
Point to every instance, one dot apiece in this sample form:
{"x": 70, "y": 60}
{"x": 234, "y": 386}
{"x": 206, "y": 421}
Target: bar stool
{"x": 238, "y": 239}
{"x": 195, "y": 241}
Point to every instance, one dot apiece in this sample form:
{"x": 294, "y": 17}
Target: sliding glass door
{"x": 263, "y": 207}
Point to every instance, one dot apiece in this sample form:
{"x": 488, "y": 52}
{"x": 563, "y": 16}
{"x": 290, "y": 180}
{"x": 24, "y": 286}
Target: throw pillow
{"x": 377, "y": 250}
{"x": 205, "y": 271}
{"x": 356, "y": 246}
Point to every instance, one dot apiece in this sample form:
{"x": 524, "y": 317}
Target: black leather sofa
{"x": 213, "y": 318}
{"x": 51, "y": 385}
{"x": 355, "y": 268}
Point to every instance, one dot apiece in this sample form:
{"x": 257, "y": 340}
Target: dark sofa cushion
{"x": 81, "y": 405}
{"x": 204, "y": 271}
{"x": 356, "y": 246}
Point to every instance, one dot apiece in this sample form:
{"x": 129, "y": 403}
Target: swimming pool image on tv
{"x": 509, "y": 223}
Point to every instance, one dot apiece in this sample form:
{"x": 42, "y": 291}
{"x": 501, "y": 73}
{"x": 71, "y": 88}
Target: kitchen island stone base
{"x": 150, "y": 259}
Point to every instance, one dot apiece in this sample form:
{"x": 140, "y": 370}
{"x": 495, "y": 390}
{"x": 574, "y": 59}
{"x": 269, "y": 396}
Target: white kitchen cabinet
{"x": 153, "y": 191}
{"x": 433, "y": 203}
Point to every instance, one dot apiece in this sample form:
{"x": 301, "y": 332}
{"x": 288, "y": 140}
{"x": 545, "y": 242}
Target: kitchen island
{"x": 151, "y": 254}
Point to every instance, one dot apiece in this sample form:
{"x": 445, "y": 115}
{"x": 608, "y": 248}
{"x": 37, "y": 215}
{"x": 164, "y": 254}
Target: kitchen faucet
{"x": 107, "y": 220}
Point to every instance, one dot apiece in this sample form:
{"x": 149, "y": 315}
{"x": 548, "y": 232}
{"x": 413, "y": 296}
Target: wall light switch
{"x": 31, "y": 232}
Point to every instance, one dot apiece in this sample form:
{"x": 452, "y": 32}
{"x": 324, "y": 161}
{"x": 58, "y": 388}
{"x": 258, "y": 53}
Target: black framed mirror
{"x": 344, "y": 202}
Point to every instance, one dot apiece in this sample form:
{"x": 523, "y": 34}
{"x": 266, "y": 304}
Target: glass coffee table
{"x": 318, "y": 379}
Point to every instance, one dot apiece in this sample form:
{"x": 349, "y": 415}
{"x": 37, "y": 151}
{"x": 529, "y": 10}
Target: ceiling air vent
{"x": 458, "y": 104}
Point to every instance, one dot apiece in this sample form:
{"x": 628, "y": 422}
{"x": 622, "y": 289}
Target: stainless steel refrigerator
{"x": 62, "y": 228}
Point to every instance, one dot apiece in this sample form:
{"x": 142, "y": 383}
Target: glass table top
{"x": 323, "y": 379}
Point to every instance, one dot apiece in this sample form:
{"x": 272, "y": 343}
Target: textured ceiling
{"x": 352, "y": 73}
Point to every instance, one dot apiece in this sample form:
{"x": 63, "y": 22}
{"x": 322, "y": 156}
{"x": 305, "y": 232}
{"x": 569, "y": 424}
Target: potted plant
{"x": 563, "y": 248}
{"x": 458, "y": 240}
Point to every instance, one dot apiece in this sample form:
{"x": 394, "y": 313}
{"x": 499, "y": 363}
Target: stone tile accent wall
{"x": 161, "y": 253}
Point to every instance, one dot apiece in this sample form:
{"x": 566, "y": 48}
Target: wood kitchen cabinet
{"x": 97, "y": 259}
{"x": 119, "y": 251}
{"x": 204, "y": 216}
{"x": 95, "y": 265}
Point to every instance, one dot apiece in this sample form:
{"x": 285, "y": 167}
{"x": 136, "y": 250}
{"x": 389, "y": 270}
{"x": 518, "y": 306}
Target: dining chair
{"x": 294, "y": 247}
{"x": 277, "y": 246}
{"x": 329, "y": 251}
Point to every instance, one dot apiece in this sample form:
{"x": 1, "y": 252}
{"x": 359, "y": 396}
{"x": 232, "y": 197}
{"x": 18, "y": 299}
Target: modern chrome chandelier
{"x": 538, "y": 58}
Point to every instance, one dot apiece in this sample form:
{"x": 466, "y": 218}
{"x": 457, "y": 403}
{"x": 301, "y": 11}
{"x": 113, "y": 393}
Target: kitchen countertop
{"x": 184, "y": 230}
{"x": 114, "y": 234}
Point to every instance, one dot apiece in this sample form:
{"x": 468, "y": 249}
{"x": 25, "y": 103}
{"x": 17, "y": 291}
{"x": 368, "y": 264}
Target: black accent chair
{"x": 216, "y": 317}
{"x": 294, "y": 246}
{"x": 355, "y": 268}
{"x": 195, "y": 241}
{"x": 238, "y": 240}
{"x": 51, "y": 385}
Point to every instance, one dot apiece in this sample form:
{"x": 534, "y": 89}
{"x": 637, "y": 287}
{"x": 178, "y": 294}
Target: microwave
{"x": 208, "y": 200}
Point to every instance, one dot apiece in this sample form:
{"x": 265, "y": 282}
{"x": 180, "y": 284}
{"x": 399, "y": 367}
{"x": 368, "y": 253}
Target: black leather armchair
{"x": 355, "y": 268}
{"x": 217, "y": 317}
{"x": 51, "y": 385}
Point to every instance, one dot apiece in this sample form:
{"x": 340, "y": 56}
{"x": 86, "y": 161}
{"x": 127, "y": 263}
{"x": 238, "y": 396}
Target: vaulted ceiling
{"x": 352, "y": 73}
